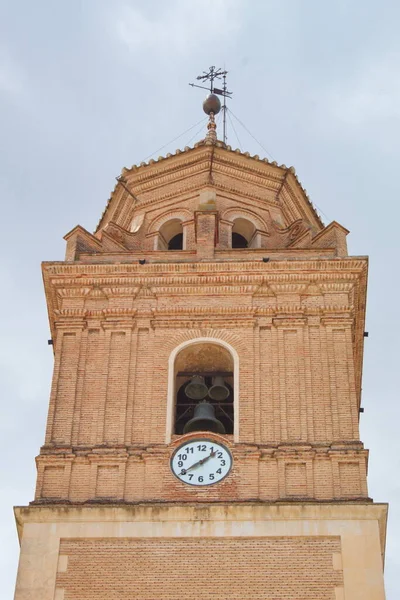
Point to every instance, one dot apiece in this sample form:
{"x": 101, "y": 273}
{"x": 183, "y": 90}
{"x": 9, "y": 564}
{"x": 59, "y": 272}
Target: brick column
{"x": 206, "y": 229}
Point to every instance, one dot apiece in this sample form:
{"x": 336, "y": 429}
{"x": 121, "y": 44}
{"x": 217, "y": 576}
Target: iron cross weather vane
{"x": 210, "y": 76}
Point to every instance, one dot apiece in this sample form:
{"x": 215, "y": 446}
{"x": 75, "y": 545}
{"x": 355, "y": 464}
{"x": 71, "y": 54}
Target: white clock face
{"x": 201, "y": 462}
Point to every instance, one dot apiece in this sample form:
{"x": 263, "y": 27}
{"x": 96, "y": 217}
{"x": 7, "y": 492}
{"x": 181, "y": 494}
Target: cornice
{"x": 274, "y": 285}
{"x": 203, "y": 322}
{"x": 63, "y": 282}
{"x": 76, "y": 292}
{"x": 64, "y": 318}
{"x": 203, "y": 310}
{"x": 245, "y": 511}
{"x": 335, "y": 287}
{"x": 228, "y": 254}
{"x": 201, "y": 290}
{"x": 292, "y": 314}
{"x": 342, "y": 265}
{"x": 296, "y": 196}
{"x": 298, "y": 287}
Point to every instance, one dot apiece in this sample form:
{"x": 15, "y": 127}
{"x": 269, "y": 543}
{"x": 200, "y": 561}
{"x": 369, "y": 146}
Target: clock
{"x": 201, "y": 462}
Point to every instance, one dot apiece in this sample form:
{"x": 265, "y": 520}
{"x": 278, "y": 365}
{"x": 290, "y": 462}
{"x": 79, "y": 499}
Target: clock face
{"x": 201, "y": 462}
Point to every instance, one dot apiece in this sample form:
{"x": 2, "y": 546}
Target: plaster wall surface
{"x": 349, "y": 540}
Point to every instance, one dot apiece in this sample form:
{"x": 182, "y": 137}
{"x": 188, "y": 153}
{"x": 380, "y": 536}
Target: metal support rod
{"x": 210, "y": 76}
{"x": 224, "y": 110}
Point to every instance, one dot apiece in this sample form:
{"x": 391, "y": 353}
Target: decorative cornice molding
{"x": 82, "y": 313}
{"x": 203, "y": 323}
{"x": 224, "y": 316}
{"x": 203, "y": 310}
{"x": 335, "y": 287}
{"x": 202, "y": 290}
{"x": 78, "y": 292}
{"x": 343, "y": 266}
{"x": 289, "y": 288}
{"x": 130, "y": 292}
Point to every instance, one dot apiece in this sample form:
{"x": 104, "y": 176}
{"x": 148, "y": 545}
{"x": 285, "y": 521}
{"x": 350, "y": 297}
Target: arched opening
{"x": 170, "y": 235}
{"x": 204, "y": 389}
{"x": 242, "y": 233}
{"x": 176, "y": 242}
{"x": 239, "y": 241}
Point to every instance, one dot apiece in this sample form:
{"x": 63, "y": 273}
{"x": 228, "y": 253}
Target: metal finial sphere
{"x": 212, "y": 104}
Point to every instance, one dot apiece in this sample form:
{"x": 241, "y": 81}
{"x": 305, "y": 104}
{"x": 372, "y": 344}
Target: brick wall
{"x": 297, "y": 397}
{"x": 258, "y": 474}
{"x": 301, "y": 568}
{"x": 294, "y": 322}
{"x": 296, "y": 380}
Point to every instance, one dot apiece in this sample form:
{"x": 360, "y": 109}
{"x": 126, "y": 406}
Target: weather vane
{"x": 212, "y": 105}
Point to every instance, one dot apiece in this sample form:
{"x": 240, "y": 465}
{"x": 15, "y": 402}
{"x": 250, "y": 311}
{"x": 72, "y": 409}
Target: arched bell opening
{"x": 239, "y": 241}
{"x": 204, "y": 389}
{"x": 170, "y": 235}
{"x": 176, "y": 242}
{"x": 242, "y": 233}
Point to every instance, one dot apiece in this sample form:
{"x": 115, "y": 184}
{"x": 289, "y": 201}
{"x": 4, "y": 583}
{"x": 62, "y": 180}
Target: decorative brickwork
{"x": 206, "y": 568}
{"x": 282, "y": 318}
{"x": 295, "y": 335}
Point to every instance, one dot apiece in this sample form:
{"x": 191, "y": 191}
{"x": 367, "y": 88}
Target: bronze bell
{"x": 196, "y": 389}
{"x": 218, "y": 391}
{"x": 204, "y": 420}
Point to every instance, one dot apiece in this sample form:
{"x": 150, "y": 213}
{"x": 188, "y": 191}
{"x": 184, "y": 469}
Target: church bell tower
{"x": 202, "y": 439}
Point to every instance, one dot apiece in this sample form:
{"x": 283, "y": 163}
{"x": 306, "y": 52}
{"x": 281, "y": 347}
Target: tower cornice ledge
{"x": 352, "y": 263}
{"x": 68, "y": 519}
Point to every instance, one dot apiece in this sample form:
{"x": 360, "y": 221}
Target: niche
{"x": 242, "y": 233}
{"x": 204, "y": 375}
{"x": 170, "y": 235}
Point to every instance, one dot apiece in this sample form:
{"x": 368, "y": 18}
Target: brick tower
{"x": 202, "y": 438}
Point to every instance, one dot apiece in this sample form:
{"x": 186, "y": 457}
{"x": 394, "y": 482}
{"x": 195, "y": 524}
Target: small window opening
{"x": 176, "y": 242}
{"x": 239, "y": 241}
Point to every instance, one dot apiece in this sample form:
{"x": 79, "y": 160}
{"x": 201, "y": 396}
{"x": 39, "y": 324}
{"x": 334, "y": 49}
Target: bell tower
{"x": 202, "y": 437}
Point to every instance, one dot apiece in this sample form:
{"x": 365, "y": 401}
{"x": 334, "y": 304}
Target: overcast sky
{"x": 90, "y": 86}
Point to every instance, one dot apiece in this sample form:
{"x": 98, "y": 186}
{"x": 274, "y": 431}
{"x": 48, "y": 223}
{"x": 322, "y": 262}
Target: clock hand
{"x": 199, "y": 462}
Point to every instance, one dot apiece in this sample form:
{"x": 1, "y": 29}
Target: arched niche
{"x": 170, "y": 235}
{"x": 166, "y": 226}
{"x": 243, "y": 232}
{"x": 207, "y": 357}
{"x": 244, "y": 228}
